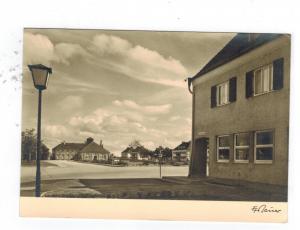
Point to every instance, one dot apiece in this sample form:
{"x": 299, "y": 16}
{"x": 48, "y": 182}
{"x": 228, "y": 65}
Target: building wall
{"x": 183, "y": 155}
{"x": 90, "y": 156}
{"x": 268, "y": 111}
{"x": 64, "y": 154}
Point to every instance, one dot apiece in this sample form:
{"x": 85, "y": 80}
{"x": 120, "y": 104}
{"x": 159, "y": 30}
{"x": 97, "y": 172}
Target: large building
{"x": 87, "y": 151}
{"x": 241, "y": 111}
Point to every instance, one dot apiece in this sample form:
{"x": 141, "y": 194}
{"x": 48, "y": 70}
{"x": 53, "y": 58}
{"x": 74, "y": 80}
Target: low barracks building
{"x": 241, "y": 111}
{"x": 88, "y": 151}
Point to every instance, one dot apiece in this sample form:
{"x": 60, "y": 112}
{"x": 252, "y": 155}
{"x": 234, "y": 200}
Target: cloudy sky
{"x": 115, "y": 86}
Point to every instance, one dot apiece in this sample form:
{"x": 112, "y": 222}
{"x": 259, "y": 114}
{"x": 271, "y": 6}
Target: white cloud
{"x": 174, "y": 118}
{"x": 148, "y": 109}
{"x": 71, "y": 102}
{"x": 116, "y": 53}
{"x": 107, "y": 44}
{"x": 138, "y": 62}
{"x": 117, "y": 120}
{"x": 189, "y": 121}
{"x": 154, "y": 59}
{"x": 106, "y": 122}
{"x": 149, "y": 145}
{"x": 39, "y": 49}
{"x": 64, "y": 51}
{"x": 57, "y": 131}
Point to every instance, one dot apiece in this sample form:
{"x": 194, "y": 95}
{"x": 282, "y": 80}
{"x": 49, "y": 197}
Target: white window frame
{"x": 241, "y": 147}
{"x": 261, "y": 146}
{"x": 218, "y": 148}
{"x": 218, "y": 93}
{"x": 270, "y": 80}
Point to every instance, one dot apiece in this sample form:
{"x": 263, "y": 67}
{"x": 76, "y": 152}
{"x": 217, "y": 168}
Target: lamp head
{"x": 40, "y": 75}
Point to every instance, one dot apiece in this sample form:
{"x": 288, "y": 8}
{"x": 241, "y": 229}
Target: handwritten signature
{"x": 265, "y": 209}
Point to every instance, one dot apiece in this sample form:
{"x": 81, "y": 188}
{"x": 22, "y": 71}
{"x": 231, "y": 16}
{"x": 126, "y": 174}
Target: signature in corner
{"x": 264, "y": 209}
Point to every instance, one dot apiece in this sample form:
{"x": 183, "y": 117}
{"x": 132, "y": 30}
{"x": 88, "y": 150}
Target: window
{"x": 223, "y": 93}
{"x": 263, "y": 80}
{"x": 264, "y": 144}
{"x": 241, "y": 147}
{"x": 223, "y": 150}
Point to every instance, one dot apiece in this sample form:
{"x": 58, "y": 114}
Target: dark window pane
{"x": 264, "y": 153}
{"x": 242, "y": 139}
{"x": 224, "y": 141}
{"x": 223, "y": 154}
{"x": 264, "y": 138}
{"x": 242, "y": 154}
{"x": 258, "y": 81}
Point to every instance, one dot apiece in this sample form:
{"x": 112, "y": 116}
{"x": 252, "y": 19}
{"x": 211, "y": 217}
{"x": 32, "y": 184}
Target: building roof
{"x": 69, "y": 146}
{"x": 94, "y": 148}
{"x": 236, "y": 47}
{"x": 183, "y": 146}
{"x": 138, "y": 149}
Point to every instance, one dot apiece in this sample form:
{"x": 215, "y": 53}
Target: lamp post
{"x": 160, "y": 158}
{"x": 40, "y": 74}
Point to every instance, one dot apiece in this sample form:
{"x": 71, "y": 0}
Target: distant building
{"x": 66, "y": 151}
{"x": 94, "y": 152}
{"x": 182, "y": 152}
{"x": 115, "y": 160}
{"x": 136, "y": 153}
{"x": 88, "y": 151}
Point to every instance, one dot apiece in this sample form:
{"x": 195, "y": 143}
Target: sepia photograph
{"x": 155, "y": 115}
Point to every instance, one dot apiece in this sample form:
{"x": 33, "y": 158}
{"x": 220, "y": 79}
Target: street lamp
{"x": 40, "y": 74}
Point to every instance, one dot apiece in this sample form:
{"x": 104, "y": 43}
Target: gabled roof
{"x": 69, "y": 146}
{"x": 183, "y": 146}
{"x": 239, "y": 45}
{"x": 139, "y": 149}
{"x": 94, "y": 148}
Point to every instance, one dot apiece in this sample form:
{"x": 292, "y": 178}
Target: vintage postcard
{"x": 155, "y": 125}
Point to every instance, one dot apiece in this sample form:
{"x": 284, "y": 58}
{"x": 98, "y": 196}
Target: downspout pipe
{"x": 189, "y": 81}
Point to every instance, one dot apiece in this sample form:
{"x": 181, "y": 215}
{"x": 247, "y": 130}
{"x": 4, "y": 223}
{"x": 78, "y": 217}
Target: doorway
{"x": 200, "y": 157}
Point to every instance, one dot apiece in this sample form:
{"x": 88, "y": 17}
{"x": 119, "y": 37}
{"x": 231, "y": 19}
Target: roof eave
{"x": 201, "y": 72}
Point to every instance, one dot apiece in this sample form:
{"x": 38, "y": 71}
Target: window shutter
{"x": 249, "y": 84}
{"x": 232, "y": 89}
{"x": 278, "y": 74}
{"x": 213, "y": 97}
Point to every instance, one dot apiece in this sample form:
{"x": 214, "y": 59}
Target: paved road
{"x": 77, "y": 170}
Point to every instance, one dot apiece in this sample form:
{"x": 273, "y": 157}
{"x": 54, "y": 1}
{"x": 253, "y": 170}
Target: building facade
{"x": 241, "y": 111}
{"x": 182, "y": 152}
{"x": 94, "y": 152}
{"x": 66, "y": 151}
{"x": 136, "y": 153}
{"x": 87, "y": 151}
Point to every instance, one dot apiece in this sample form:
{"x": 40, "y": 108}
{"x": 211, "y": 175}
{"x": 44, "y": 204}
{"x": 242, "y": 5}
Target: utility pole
{"x": 160, "y": 158}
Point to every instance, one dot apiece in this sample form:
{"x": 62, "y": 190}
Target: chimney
{"x": 101, "y": 144}
{"x": 89, "y": 140}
